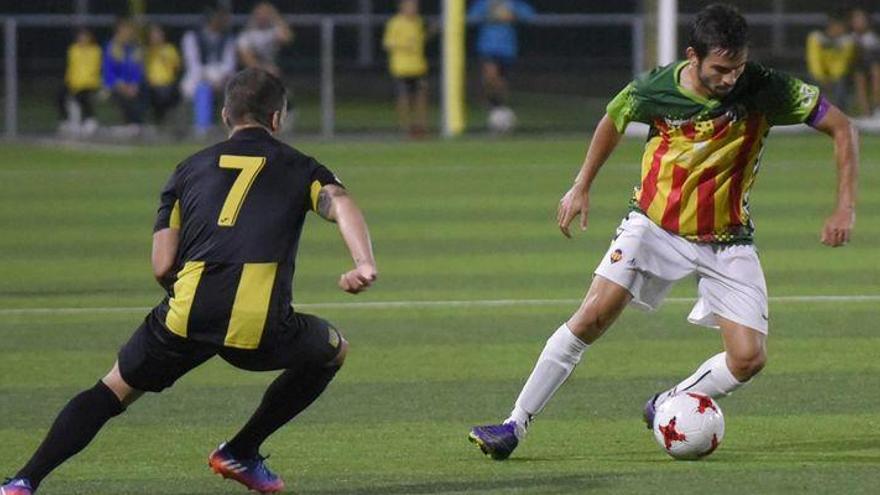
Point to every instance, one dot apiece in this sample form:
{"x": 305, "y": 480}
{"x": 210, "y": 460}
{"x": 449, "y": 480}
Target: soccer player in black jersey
{"x": 224, "y": 247}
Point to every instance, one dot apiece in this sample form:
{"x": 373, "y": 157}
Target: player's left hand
{"x": 359, "y": 279}
{"x": 838, "y": 227}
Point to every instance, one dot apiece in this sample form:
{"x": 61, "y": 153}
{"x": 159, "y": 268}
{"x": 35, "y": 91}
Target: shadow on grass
{"x": 831, "y": 450}
{"x": 552, "y": 484}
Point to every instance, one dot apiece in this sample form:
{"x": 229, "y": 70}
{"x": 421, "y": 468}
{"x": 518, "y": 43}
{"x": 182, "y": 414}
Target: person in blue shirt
{"x": 123, "y": 72}
{"x": 497, "y": 42}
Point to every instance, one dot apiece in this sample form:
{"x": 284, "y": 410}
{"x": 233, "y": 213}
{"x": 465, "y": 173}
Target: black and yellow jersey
{"x": 240, "y": 206}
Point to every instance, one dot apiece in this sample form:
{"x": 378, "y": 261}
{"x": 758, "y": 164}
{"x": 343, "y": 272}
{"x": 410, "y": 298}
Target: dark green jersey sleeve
{"x": 786, "y": 99}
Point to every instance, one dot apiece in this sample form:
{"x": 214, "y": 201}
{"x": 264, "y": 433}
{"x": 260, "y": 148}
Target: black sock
{"x": 287, "y": 396}
{"x": 76, "y": 426}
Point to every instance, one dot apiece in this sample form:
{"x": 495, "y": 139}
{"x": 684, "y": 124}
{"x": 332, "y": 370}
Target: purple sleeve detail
{"x": 818, "y": 112}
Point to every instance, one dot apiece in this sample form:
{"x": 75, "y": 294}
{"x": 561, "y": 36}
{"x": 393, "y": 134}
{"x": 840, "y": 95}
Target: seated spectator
{"x": 404, "y": 40}
{"x": 209, "y": 57}
{"x": 82, "y": 80}
{"x": 261, "y": 40}
{"x": 162, "y": 65}
{"x": 867, "y": 70}
{"x": 831, "y": 56}
{"x": 123, "y": 72}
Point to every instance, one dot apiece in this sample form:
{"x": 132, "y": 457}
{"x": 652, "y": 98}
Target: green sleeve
{"x": 788, "y": 100}
{"x": 622, "y": 109}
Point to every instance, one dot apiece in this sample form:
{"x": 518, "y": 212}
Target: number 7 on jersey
{"x": 250, "y": 166}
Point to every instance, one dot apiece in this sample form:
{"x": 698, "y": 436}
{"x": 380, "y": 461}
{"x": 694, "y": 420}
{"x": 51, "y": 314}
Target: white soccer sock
{"x": 561, "y": 354}
{"x": 712, "y": 378}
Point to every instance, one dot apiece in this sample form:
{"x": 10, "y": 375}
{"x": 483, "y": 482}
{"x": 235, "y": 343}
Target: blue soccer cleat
{"x": 252, "y": 473}
{"x": 650, "y": 411}
{"x": 16, "y": 486}
{"x": 496, "y": 441}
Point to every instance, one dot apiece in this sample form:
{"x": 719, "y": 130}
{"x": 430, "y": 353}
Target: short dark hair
{"x": 719, "y": 27}
{"x": 254, "y": 95}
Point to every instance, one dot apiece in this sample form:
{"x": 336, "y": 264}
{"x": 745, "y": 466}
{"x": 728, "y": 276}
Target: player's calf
{"x": 290, "y": 393}
{"x": 719, "y": 376}
{"x": 744, "y": 366}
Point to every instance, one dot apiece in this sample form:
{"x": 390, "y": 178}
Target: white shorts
{"x": 647, "y": 260}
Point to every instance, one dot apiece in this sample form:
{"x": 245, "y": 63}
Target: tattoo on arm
{"x": 325, "y": 200}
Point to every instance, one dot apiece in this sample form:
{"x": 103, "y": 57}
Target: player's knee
{"x": 123, "y": 391}
{"x": 745, "y": 366}
{"x": 590, "y": 322}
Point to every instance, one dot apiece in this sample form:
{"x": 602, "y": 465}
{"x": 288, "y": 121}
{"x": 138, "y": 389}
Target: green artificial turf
{"x": 468, "y": 221}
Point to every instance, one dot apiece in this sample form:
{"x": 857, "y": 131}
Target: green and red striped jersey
{"x": 702, "y": 154}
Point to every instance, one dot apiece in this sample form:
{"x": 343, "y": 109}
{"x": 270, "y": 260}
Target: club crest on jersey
{"x": 616, "y": 255}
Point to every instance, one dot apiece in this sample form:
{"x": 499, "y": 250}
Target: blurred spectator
{"x": 497, "y": 43}
{"x": 831, "y": 56}
{"x": 404, "y": 40}
{"x": 209, "y": 56}
{"x": 123, "y": 72}
{"x": 162, "y": 64}
{"x": 867, "y": 70}
{"x": 82, "y": 80}
{"x": 259, "y": 43}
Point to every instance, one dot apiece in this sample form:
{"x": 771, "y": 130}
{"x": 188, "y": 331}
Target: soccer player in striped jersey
{"x": 224, "y": 247}
{"x": 709, "y": 116}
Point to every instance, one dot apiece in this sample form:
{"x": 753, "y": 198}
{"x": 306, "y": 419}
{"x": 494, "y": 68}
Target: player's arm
{"x": 838, "y": 227}
{"x": 166, "y": 233}
{"x": 246, "y": 54}
{"x": 335, "y": 205}
{"x": 577, "y": 200}
{"x": 248, "y": 59}
{"x": 164, "y": 255}
{"x": 283, "y": 33}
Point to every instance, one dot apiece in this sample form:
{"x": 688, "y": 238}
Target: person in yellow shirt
{"x": 831, "y": 57}
{"x": 162, "y": 64}
{"x": 82, "y": 80}
{"x": 404, "y": 40}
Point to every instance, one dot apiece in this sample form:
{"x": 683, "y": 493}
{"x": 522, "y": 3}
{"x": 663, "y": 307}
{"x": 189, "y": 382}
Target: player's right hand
{"x": 359, "y": 279}
{"x": 575, "y": 202}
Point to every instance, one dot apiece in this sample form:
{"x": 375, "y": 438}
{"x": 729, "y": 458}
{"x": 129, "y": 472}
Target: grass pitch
{"x": 459, "y": 221}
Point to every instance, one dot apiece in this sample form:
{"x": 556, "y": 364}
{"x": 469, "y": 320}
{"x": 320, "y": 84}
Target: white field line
{"x": 479, "y": 303}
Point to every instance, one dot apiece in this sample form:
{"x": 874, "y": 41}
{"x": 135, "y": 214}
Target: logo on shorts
{"x": 616, "y": 255}
{"x": 333, "y": 338}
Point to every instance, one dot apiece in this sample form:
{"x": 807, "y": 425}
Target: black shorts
{"x": 405, "y": 86}
{"x": 154, "y": 358}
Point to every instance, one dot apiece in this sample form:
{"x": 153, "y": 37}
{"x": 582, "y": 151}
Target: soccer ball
{"x": 689, "y": 425}
{"x": 501, "y": 120}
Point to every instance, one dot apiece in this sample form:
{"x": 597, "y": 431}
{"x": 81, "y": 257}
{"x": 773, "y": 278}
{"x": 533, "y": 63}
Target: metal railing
{"x": 327, "y": 24}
